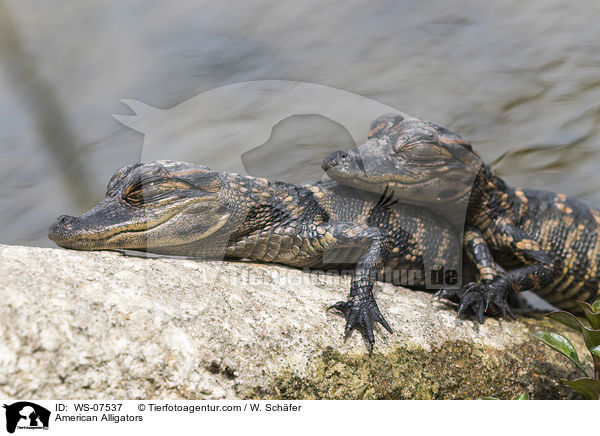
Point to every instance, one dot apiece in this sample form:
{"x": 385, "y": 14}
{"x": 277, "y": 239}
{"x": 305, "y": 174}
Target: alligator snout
{"x": 61, "y": 227}
{"x": 335, "y": 159}
{"x": 62, "y": 224}
{"x": 342, "y": 162}
{"x": 65, "y": 220}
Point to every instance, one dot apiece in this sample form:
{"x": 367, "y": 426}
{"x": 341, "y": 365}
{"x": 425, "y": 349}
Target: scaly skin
{"x": 518, "y": 239}
{"x": 178, "y": 208}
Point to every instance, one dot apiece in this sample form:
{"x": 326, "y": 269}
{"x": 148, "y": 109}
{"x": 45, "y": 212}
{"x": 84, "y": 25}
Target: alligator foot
{"x": 451, "y": 294}
{"x": 361, "y": 313}
{"x": 480, "y": 298}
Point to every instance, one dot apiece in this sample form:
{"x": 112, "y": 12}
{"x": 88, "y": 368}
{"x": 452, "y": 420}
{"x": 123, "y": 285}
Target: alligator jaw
{"x": 71, "y": 232}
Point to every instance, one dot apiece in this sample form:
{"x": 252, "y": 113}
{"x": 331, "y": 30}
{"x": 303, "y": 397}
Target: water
{"x": 519, "y": 80}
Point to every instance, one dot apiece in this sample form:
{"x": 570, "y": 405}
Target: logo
{"x": 26, "y": 415}
{"x": 271, "y": 129}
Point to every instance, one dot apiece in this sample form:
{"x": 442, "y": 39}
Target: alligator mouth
{"x": 88, "y": 239}
{"x": 140, "y": 236}
{"x": 361, "y": 179}
{"x": 350, "y": 168}
{"x": 72, "y": 232}
{"x": 93, "y": 241}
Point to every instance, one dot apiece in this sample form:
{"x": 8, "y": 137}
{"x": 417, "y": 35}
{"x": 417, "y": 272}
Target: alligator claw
{"x": 452, "y": 294}
{"x": 361, "y": 313}
{"x": 479, "y": 298}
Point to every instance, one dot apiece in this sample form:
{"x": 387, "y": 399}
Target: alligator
{"x": 178, "y": 208}
{"x": 518, "y": 239}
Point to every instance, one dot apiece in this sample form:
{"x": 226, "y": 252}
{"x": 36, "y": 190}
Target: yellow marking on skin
{"x": 487, "y": 273}
{"x": 571, "y": 236}
{"x": 561, "y": 197}
{"x": 560, "y": 289}
{"x": 573, "y": 290}
{"x": 469, "y": 236}
{"x": 521, "y": 196}
{"x": 596, "y": 215}
{"x": 527, "y": 245}
{"x": 549, "y": 289}
{"x": 564, "y": 208}
{"x": 416, "y": 251}
{"x": 593, "y": 260}
{"x": 585, "y": 295}
{"x": 442, "y": 249}
{"x": 568, "y": 220}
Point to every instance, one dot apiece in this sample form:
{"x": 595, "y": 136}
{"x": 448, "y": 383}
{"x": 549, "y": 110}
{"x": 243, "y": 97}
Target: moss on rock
{"x": 454, "y": 370}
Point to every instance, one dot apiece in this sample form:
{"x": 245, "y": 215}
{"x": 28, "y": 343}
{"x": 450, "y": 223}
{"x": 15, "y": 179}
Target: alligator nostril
{"x": 334, "y": 159}
{"x": 65, "y": 219}
{"x": 342, "y": 155}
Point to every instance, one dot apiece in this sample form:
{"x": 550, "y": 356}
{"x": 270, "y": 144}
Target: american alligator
{"x": 178, "y": 208}
{"x": 518, "y": 239}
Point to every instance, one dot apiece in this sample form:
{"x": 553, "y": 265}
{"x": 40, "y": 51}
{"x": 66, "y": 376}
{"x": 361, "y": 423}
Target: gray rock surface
{"x": 79, "y": 325}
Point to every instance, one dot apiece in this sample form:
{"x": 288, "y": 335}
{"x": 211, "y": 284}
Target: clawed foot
{"x": 361, "y": 313}
{"x": 478, "y": 297}
{"x": 453, "y": 294}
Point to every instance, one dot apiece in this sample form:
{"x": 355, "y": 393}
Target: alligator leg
{"x": 361, "y": 309}
{"x": 537, "y": 272}
{"x": 487, "y": 268}
{"x": 479, "y": 253}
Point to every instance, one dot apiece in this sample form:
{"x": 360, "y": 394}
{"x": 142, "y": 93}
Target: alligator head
{"x": 420, "y": 161}
{"x": 149, "y": 207}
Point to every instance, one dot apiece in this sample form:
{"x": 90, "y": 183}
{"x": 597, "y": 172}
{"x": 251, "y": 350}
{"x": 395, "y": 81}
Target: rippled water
{"x": 520, "y": 80}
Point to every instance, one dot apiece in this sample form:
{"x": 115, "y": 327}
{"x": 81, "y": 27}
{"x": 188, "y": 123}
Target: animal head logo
{"x": 240, "y": 117}
{"x": 229, "y": 128}
{"x": 26, "y": 415}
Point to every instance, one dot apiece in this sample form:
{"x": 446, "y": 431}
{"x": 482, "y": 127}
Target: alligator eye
{"x": 152, "y": 191}
{"x": 119, "y": 175}
{"x": 425, "y": 152}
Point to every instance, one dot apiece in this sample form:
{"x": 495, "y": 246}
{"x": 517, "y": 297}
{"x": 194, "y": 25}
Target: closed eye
{"x": 146, "y": 191}
{"x": 425, "y": 152}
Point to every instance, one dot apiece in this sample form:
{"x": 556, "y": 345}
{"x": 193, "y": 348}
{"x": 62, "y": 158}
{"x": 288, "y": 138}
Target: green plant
{"x": 588, "y": 386}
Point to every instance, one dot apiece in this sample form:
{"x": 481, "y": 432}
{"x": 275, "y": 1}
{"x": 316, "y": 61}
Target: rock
{"x": 95, "y": 325}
